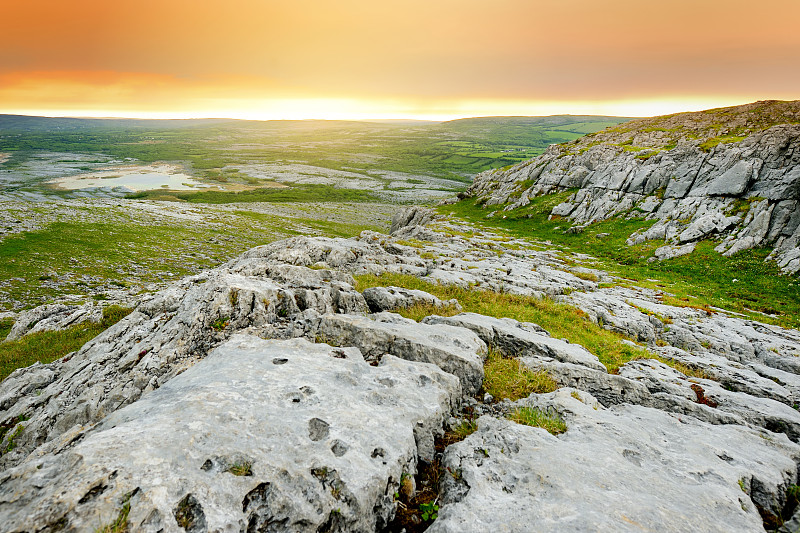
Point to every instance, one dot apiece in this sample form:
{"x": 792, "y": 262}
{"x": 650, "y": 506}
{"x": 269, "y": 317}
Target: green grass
{"x": 102, "y": 250}
{"x": 47, "y": 346}
{"x": 561, "y": 320}
{"x": 5, "y": 327}
{"x": 462, "y": 431}
{"x": 707, "y": 145}
{"x": 120, "y": 523}
{"x": 295, "y": 193}
{"x": 530, "y": 416}
{"x": 244, "y": 468}
{"x": 92, "y": 259}
{"x": 508, "y": 378}
{"x": 701, "y": 279}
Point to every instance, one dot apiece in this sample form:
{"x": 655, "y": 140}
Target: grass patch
{"x": 709, "y": 144}
{"x": 47, "y": 346}
{"x": 508, "y": 378}
{"x": 561, "y": 320}
{"x": 295, "y": 193}
{"x": 663, "y": 319}
{"x": 586, "y": 276}
{"x": 120, "y": 523}
{"x": 5, "y": 327}
{"x": 463, "y": 430}
{"x": 702, "y": 279}
{"x": 530, "y": 416}
{"x": 686, "y": 370}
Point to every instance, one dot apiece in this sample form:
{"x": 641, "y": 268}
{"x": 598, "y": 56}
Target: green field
{"x": 702, "y": 279}
{"x": 454, "y": 150}
{"x": 81, "y": 259}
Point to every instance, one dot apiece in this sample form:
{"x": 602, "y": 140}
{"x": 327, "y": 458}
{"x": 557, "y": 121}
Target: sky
{"x": 425, "y": 59}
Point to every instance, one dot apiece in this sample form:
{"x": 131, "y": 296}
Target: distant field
{"x": 250, "y": 152}
{"x": 282, "y": 178}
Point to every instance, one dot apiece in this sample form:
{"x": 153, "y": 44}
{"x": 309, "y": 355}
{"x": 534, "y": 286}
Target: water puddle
{"x": 131, "y": 178}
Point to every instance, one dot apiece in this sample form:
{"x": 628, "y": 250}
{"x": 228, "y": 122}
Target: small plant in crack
{"x": 244, "y": 468}
{"x": 220, "y": 323}
{"x": 430, "y": 511}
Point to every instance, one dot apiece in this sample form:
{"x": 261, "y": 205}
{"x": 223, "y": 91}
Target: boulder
{"x": 392, "y": 298}
{"x": 54, "y": 317}
{"x": 520, "y": 339}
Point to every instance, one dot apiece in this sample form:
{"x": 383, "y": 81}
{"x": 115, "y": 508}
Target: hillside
{"x": 730, "y": 176}
{"x": 441, "y": 378}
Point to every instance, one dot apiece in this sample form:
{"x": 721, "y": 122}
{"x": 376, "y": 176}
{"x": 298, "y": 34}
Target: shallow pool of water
{"x": 133, "y": 181}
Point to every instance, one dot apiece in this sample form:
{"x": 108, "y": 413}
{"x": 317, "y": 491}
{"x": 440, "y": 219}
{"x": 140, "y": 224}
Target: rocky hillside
{"x": 731, "y": 175}
{"x": 270, "y": 395}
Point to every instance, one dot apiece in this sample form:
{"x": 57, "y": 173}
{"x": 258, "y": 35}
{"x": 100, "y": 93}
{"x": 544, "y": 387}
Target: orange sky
{"x": 387, "y": 58}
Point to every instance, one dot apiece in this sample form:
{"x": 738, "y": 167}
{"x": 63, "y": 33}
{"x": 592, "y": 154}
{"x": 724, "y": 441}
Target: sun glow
{"x": 359, "y": 60}
{"x": 355, "y": 109}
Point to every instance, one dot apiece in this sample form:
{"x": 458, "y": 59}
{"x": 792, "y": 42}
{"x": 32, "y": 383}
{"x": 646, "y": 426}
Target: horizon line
{"x": 307, "y": 119}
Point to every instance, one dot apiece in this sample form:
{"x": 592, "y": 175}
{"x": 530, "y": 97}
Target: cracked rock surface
{"x": 626, "y": 468}
{"x": 319, "y": 430}
{"x": 245, "y": 398}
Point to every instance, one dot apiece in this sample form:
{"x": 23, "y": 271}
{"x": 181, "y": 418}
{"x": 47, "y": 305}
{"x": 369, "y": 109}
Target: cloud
{"x": 437, "y": 55}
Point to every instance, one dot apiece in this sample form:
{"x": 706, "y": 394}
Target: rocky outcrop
{"x": 393, "y": 298}
{"x": 54, "y": 317}
{"x": 453, "y": 349}
{"x": 265, "y": 395}
{"x": 728, "y": 175}
{"x": 516, "y": 478}
{"x": 217, "y": 447}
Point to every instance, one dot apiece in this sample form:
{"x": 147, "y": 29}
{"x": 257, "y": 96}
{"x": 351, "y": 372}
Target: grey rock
{"x": 166, "y": 334}
{"x": 410, "y": 217}
{"x": 270, "y": 292}
{"x": 54, "y": 317}
{"x": 671, "y": 251}
{"x": 646, "y": 470}
{"x": 392, "y": 298}
{"x": 519, "y": 339}
{"x": 609, "y": 389}
{"x": 688, "y": 191}
{"x": 170, "y": 454}
{"x": 455, "y": 350}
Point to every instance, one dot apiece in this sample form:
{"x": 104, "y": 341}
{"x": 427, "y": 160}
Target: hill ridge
{"x": 730, "y": 174}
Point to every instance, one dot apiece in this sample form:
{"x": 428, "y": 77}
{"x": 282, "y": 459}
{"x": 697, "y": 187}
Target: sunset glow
{"x": 354, "y": 59}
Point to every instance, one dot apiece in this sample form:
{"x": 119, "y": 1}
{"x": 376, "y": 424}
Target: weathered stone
{"x": 688, "y": 190}
{"x": 391, "y": 298}
{"x": 174, "y": 454}
{"x": 53, "y": 413}
{"x": 519, "y": 339}
{"x": 671, "y": 251}
{"x": 627, "y": 468}
{"x": 411, "y": 217}
{"x": 455, "y": 350}
{"x": 54, "y": 317}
